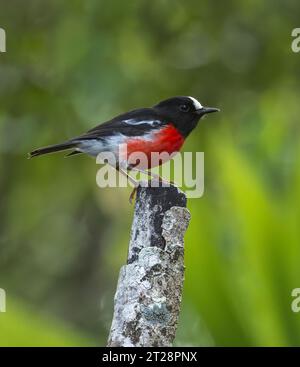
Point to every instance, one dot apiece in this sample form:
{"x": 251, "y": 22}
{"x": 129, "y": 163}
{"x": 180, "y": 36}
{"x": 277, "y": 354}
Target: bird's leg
{"x": 153, "y": 175}
{"x": 132, "y": 180}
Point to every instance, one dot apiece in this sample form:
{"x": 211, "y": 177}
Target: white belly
{"x": 95, "y": 146}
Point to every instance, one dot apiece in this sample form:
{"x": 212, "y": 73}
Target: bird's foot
{"x": 133, "y": 193}
{"x": 161, "y": 182}
{"x": 154, "y": 182}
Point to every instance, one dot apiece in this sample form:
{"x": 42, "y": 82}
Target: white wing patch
{"x": 142, "y": 122}
{"x": 196, "y": 103}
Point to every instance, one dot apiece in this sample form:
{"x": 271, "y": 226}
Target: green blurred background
{"x": 72, "y": 64}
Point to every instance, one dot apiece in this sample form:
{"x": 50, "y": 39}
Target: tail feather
{"x": 52, "y": 149}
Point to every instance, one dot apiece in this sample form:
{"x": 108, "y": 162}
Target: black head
{"x": 183, "y": 112}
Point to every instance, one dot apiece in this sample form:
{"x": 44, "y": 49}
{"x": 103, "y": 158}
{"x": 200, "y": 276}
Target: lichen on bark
{"x": 149, "y": 291}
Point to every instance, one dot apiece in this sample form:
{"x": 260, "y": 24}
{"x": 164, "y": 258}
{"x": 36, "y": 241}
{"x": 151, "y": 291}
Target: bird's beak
{"x": 204, "y": 110}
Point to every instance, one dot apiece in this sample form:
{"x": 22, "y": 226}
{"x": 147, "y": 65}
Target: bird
{"x": 161, "y": 128}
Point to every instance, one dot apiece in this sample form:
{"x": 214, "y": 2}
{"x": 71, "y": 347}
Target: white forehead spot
{"x": 196, "y": 103}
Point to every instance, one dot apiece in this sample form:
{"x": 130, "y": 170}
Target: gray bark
{"x": 149, "y": 291}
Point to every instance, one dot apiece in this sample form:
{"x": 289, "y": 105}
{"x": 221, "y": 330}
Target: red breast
{"x": 167, "y": 139}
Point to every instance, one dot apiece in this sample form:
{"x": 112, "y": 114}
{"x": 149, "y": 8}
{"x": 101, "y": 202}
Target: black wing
{"x": 133, "y": 123}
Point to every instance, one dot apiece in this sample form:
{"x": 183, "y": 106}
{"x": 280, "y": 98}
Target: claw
{"x": 154, "y": 182}
{"x": 132, "y": 195}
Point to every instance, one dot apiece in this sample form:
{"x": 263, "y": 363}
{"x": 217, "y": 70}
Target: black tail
{"x": 52, "y": 149}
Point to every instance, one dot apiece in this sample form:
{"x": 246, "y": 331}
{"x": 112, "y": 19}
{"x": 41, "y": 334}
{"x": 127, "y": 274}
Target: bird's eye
{"x": 184, "y": 108}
